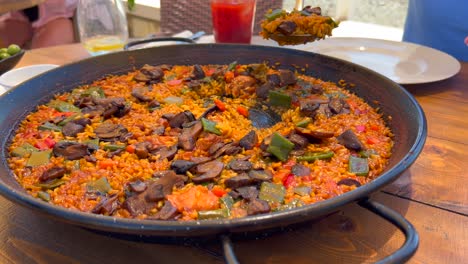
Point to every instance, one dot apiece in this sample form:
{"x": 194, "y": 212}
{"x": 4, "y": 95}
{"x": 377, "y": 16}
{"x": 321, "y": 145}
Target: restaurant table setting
{"x": 416, "y": 211}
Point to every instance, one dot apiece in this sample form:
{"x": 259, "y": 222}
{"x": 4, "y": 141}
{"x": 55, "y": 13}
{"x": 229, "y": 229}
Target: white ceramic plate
{"x": 16, "y": 76}
{"x": 403, "y": 62}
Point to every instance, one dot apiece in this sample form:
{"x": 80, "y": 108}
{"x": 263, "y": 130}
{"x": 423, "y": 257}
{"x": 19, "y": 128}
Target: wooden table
{"x": 432, "y": 195}
{"x": 12, "y": 5}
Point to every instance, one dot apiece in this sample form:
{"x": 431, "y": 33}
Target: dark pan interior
{"x": 401, "y": 111}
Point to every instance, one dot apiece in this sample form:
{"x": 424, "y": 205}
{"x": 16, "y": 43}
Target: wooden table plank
{"x": 353, "y": 235}
{"x": 435, "y": 179}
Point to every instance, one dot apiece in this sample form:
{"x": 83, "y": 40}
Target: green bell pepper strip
{"x": 50, "y": 126}
{"x": 51, "y": 184}
{"x": 280, "y": 147}
{"x": 23, "y": 150}
{"x": 45, "y": 196}
{"x": 315, "y": 156}
{"x": 279, "y": 99}
{"x": 304, "y": 122}
{"x": 94, "y": 92}
{"x": 38, "y": 158}
{"x": 213, "y": 214}
{"x": 272, "y": 192}
{"x": 210, "y": 126}
{"x": 62, "y": 106}
{"x": 358, "y": 166}
{"x": 101, "y": 185}
{"x": 114, "y": 147}
{"x": 274, "y": 14}
{"x": 367, "y": 153}
{"x": 232, "y": 66}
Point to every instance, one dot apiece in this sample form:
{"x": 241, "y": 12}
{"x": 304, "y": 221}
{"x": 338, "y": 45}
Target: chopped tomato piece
{"x": 49, "y": 142}
{"x": 174, "y": 82}
{"x": 130, "y": 148}
{"x": 360, "y": 128}
{"x": 105, "y": 164}
{"x": 243, "y": 111}
{"x": 374, "y": 127}
{"x": 221, "y": 106}
{"x": 372, "y": 140}
{"x": 218, "y": 191}
{"x": 41, "y": 145}
{"x": 289, "y": 181}
{"x": 228, "y": 76}
{"x": 210, "y": 72}
{"x": 196, "y": 198}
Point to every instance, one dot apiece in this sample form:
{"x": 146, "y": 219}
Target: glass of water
{"x": 102, "y": 25}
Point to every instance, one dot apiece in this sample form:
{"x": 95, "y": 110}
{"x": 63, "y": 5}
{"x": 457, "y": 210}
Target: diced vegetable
{"x": 243, "y": 111}
{"x": 280, "y": 147}
{"x": 304, "y": 122}
{"x": 316, "y": 156}
{"x": 51, "y": 184}
{"x": 114, "y": 147}
{"x": 232, "y": 66}
{"x": 359, "y": 166}
{"x": 45, "y": 196}
{"x": 221, "y": 106}
{"x": 293, "y": 204}
{"x": 226, "y": 203}
{"x": 212, "y": 214}
{"x": 210, "y": 126}
{"x": 272, "y": 192}
{"x": 101, "y": 185}
{"x": 274, "y": 14}
{"x": 23, "y": 150}
{"x": 289, "y": 181}
{"x": 367, "y": 153}
{"x": 38, "y": 158}
{"x": 279, "y": 99}
{"x": 50, "y": 126}
{"x": 68, "y": 119}
{"x": 62, "y": 106}
{"x": 302, "y": 190}
{"x": 173, "y": 100}
{"x": 174, "y": 82}
{"x": 94, "y": 92}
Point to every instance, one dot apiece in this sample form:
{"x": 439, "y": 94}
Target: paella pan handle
{"x": 411, "y": 236}
{"x": 399, "y": 256}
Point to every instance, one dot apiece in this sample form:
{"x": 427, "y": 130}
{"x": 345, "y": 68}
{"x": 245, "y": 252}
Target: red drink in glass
{"x": 233, "y": 20}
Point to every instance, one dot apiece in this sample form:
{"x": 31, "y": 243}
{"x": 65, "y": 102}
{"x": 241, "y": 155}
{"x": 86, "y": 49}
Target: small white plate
{"x": 16, "y": 76}
{"x": 404, "y": 63}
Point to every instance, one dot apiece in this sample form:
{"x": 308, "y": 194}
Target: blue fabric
{"x": 440, "y": 24}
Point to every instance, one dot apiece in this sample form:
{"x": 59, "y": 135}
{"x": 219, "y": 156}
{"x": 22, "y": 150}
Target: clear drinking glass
{"x": 102, "y": 25}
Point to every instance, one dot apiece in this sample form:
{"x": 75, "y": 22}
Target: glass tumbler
{"x": 102, "y": 25}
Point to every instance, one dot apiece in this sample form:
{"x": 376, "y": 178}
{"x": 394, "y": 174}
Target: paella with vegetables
{"x": 195, "y": 142}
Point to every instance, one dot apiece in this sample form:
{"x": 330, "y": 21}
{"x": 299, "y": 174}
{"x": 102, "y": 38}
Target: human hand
{"x": 466, "y": 40}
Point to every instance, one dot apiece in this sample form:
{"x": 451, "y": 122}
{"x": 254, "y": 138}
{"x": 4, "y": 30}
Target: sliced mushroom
{"x": 139, "y": 94}
{"x": 228, "y": 149}
{"x": 260, "y": 175}
{"x": 189, "y": 136}
{"x": 197, "y": 73}
{"x": 249, "y": 141}
{"x": 208, "y": 171}
{"x": 257, "y": 206}
{"x": 349, "y": 182}
{"x": 299, "y": 141}
{"x": 71, "y": 129}
{"x": 167, "y": 212}
{"x": 287, "y": 77}
{"x": 182, "y": 166}
{"x": 263, "y": 90}
{"x": 107, "y": 205}
{"x": 238, "y": 181}
{"x": 180, "y": 119}
{"x": 350, "y": 140}
{"x": 163, "y": 186}
{"x": 142, "y": 149}
{"x": 137, "y": 186}
{"x": 287, "y": 27}
{"x": 52, "y": 173}
{"x": 314, "y": 134}
{"x": 165, "y": 152}
{"x": 110, "y": 132}
{"x": 240, "y": 165}
{"x": 71, "y": 150}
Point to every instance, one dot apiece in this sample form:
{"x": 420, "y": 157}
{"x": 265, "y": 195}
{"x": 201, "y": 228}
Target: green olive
{"x": 13, "y": 49}
{"x": 3, "y": 50}
{"x": 4, "y": 56}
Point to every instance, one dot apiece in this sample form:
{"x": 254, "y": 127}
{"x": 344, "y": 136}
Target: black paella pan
{"x": 407, "y": 122}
